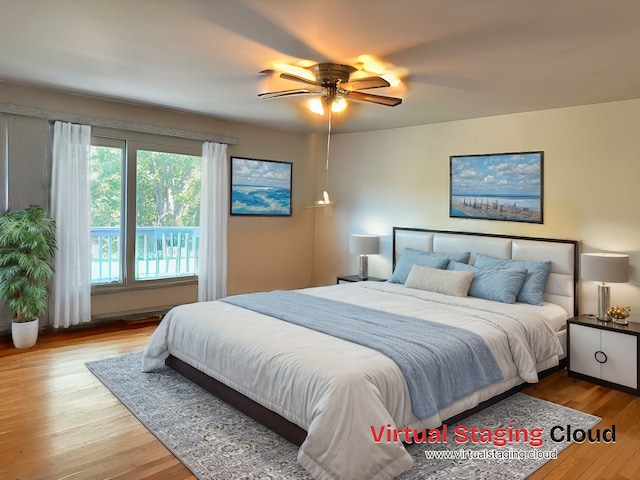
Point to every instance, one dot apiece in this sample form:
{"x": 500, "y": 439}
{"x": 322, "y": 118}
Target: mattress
{"x": 340, "y": 392}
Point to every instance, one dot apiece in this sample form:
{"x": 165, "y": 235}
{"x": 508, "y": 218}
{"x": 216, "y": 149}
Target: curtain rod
{"x": 110, "y": 123}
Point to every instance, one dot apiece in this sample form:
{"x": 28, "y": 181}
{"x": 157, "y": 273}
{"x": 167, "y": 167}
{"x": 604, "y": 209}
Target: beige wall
{"x": 264, "y": 253}
{"x": 401, "y": 177}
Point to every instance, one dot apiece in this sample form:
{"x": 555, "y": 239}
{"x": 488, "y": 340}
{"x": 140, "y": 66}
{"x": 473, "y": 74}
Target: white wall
{"x": 401, "y": 177}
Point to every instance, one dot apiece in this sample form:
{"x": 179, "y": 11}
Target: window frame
{"x": 134, "y": 141}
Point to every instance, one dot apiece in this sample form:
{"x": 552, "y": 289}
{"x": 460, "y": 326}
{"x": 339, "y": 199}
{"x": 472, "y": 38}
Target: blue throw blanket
{"x": 440, "y": 363}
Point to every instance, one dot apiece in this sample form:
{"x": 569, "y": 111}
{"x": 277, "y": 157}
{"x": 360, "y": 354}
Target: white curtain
{"x": 70, "y": 205}
{"x": 214, "y": 207}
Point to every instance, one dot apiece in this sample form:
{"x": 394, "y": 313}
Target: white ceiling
{"x": 463, "y": 58}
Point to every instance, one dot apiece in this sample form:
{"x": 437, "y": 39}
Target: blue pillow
{"x": 532, "y": 290}
{"x": 411, "y": 257}
{"x": 493, "y": 283}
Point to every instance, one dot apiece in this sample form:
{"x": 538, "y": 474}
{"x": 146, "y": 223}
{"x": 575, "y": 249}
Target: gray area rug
{"x": 215, "y": 441}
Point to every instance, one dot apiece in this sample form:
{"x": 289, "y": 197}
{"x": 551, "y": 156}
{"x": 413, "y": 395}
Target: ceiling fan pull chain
{"x": 326, "y": 181}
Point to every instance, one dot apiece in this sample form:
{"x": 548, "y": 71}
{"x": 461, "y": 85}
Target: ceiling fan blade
{"x": 287, "y": 93}
{"x": 364, "y": 83}
{"x": 379, "y": 99}
{"x": 292, "y": 72}
{"x": 296, "y": 78}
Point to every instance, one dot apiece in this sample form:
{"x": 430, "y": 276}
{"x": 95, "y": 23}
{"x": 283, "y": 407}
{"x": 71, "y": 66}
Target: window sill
{"x": 143, "y": 285}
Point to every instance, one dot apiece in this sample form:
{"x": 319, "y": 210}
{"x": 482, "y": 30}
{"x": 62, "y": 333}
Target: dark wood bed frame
{"x": 282, "y": 426}
{"x": 259, "y": 413}
{"x": 294, "y": 433}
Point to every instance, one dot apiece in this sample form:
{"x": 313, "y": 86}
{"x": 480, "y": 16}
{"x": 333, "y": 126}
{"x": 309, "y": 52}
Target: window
{"x": 167, "y": 214}
{"x": 145, "y": 210}
{"x": 107, "y": 161}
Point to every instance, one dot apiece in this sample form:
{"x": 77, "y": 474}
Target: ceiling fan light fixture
{"x": 338, "y": 105}
{"x": 315, "y": 105}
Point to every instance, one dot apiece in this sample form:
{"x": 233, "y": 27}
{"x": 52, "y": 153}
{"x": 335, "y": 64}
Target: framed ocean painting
{"x": 260, "y": 187}
{"x": 497, "y": 186}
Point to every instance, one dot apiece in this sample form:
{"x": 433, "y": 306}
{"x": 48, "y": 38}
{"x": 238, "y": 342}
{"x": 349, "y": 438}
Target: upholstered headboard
{"x": 562, "y": 284}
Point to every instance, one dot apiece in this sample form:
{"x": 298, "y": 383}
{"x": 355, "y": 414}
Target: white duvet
{"x": 336, "y": 390}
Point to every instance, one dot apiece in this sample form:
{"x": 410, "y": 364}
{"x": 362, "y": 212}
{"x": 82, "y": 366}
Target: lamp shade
{"x": 605, "y": 267}
{"x": 364, "y": 244}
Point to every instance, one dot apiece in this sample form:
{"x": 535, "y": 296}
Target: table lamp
{"x": 605, "y": 268}
{"x": 364, "y": 245}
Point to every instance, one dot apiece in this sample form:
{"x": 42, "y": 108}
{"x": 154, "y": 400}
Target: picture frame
{"x": 260, "y": 187}
{"x": 497, "y": 186}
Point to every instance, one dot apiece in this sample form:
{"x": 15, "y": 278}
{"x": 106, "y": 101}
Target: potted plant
{"x": 27, "y": 245}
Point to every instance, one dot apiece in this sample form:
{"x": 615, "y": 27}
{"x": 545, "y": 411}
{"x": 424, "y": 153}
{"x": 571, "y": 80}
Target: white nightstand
{"x": 604, "y": 352}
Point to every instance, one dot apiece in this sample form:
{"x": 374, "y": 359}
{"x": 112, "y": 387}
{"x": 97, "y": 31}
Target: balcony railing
{"x": 161, "y": 252}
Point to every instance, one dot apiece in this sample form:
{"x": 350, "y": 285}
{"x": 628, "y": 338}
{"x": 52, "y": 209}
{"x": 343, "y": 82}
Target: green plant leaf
{"x": 27, "y": 245}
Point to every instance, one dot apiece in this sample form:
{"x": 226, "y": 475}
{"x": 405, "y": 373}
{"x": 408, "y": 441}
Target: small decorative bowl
{"x": 619, "y": 314}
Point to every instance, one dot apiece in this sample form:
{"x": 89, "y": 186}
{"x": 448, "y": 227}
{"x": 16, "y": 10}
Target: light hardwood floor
{"x": 57, "y": 421}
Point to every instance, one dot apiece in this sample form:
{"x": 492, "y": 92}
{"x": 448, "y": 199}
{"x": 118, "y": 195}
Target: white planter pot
{"x": 25, "y": 334}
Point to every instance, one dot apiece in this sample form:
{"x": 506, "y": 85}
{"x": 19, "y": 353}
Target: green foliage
{"x": 106, "y": 186}
{"x": 27, "y": 245}
{"x": 167, "y": 188}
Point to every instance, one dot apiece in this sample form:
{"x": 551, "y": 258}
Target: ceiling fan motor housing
{"x": 332, "y": 74}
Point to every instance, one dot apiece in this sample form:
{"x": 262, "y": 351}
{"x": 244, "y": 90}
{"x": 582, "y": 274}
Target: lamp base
{"x": 603, "y": 302}
{"x": 364, "y": 267}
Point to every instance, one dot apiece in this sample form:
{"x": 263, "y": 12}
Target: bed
{"x": 338, "y": 397}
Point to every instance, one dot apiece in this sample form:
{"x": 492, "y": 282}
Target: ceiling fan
{"x": 332, "y": 82}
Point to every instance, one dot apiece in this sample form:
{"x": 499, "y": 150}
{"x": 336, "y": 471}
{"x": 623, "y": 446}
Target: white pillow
{"x": 448, "y": 282}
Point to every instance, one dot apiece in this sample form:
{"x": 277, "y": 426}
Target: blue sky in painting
{"x": 261, "y": 173}
{"x": 504, "y": 174}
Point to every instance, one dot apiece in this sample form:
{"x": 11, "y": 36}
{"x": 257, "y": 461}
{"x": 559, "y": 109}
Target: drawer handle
{"x": 600, "y": 356}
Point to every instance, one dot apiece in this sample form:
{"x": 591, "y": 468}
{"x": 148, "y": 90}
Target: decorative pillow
{"x": 448, "y": 282}
{"x": 532, "y": 290}
{"x": 492, "y": 283}
{"x": 411, "y": 257}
